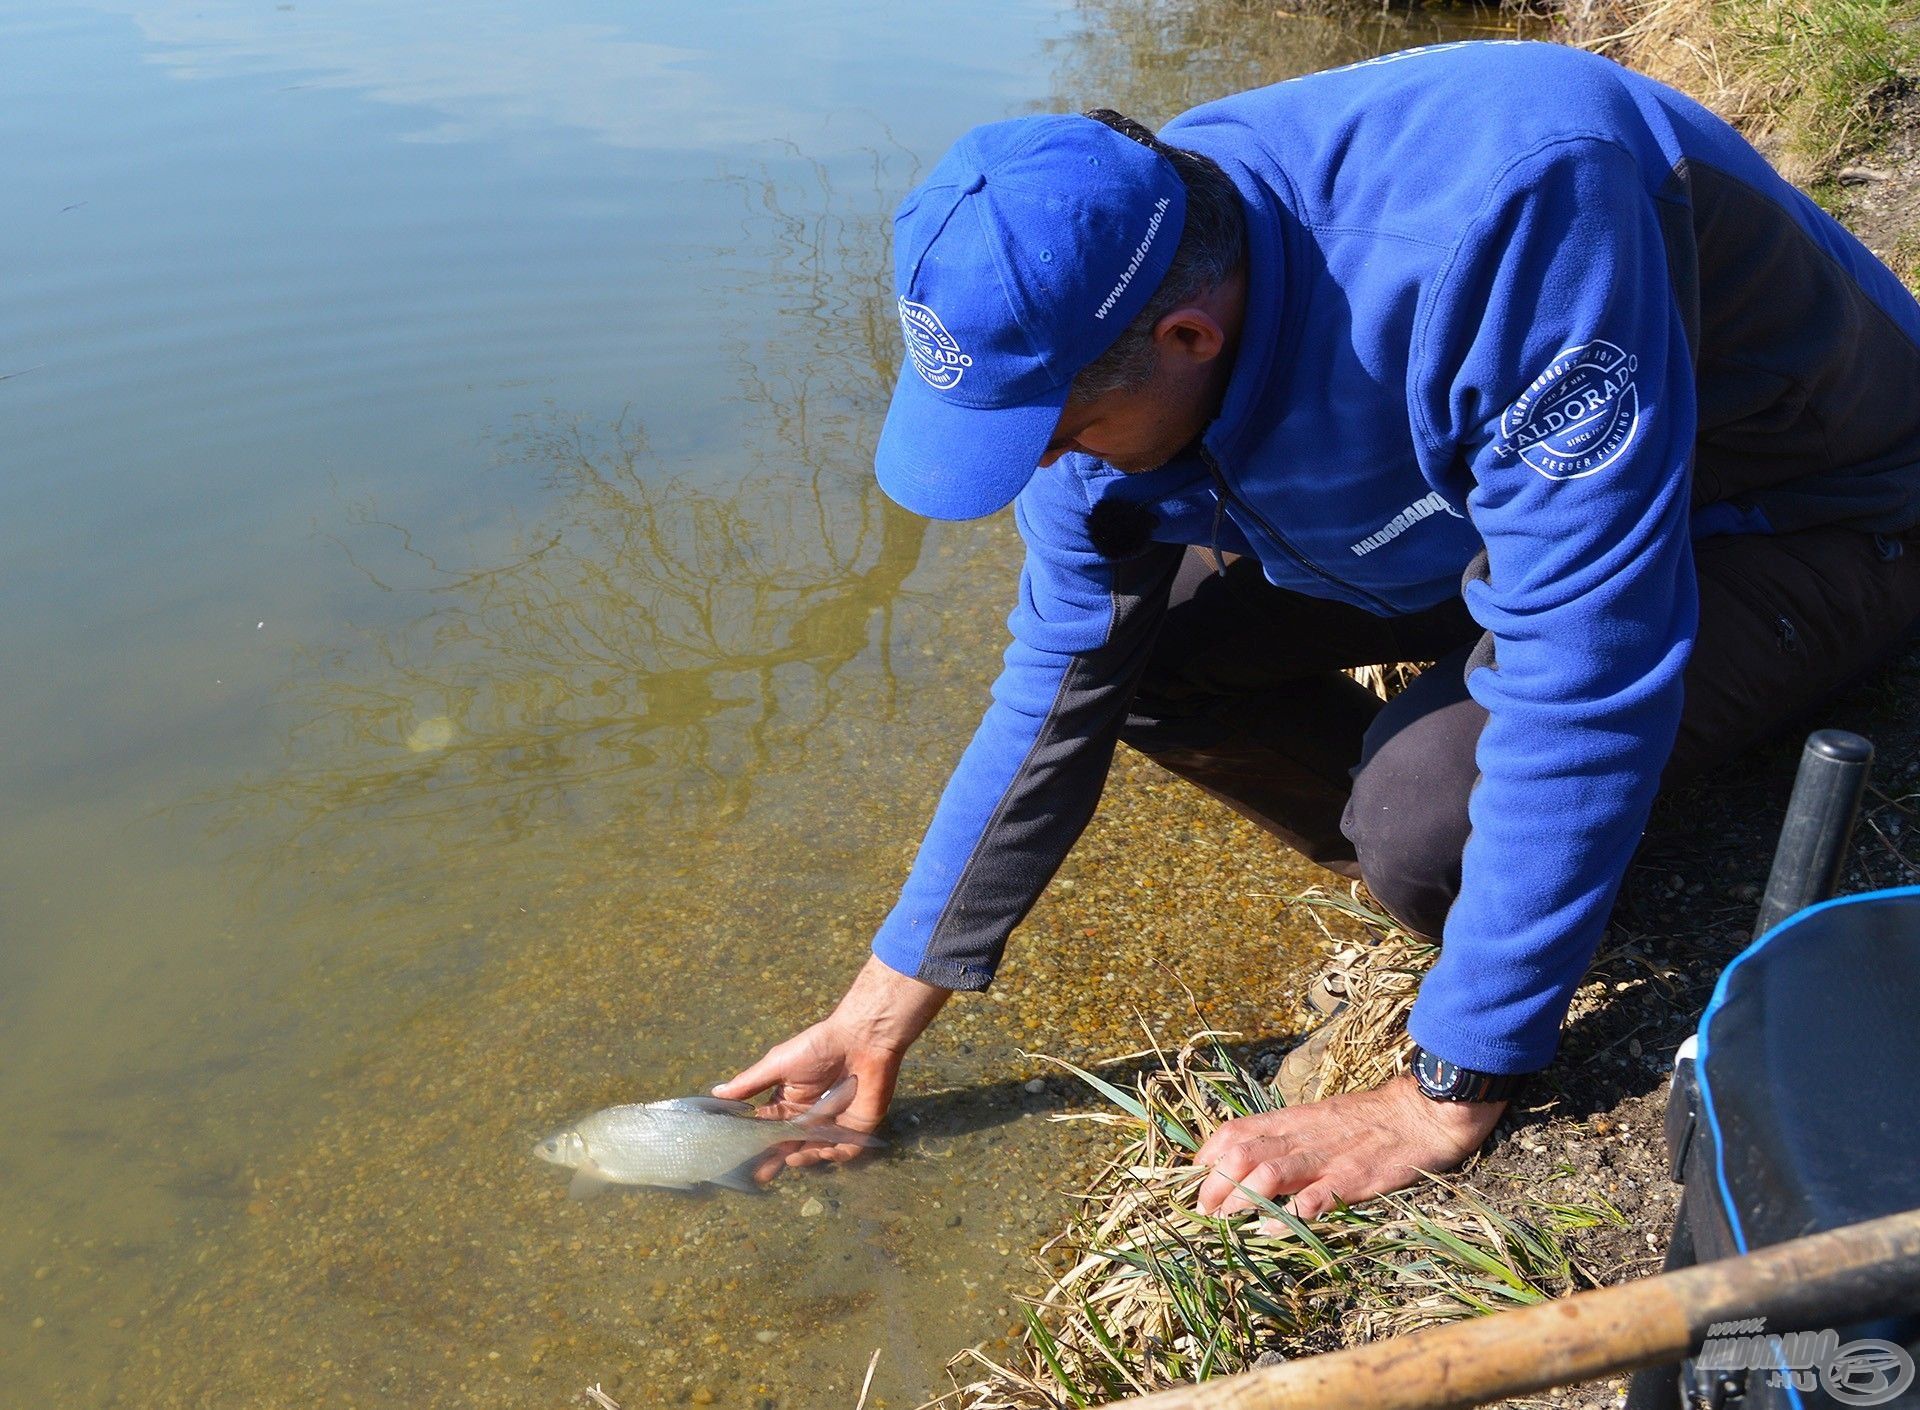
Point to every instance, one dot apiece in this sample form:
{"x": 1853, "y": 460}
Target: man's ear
{"x": 1190, "y": 332}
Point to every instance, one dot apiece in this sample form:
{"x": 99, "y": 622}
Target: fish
{"x": 685, "y": 1142}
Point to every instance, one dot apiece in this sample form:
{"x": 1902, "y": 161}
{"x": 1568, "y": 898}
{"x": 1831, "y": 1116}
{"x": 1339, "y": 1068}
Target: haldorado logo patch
{"x": 936, "y": 356}
{"x": 1579, "y": 415}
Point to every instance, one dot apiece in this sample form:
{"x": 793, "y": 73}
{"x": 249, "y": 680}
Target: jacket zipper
{"x": 1297, "y": 558}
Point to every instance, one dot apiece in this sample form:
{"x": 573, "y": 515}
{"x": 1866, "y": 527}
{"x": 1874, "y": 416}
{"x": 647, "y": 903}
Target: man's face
{"x": 1136, "y": 429}
{"x": 1142, "y": 428}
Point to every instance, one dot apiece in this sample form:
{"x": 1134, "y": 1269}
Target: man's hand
{"x": 1341, "y": 1150}
{"x": 866, "y": 1037}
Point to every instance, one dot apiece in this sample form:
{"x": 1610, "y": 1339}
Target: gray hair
{"x": 1213, "y": 244}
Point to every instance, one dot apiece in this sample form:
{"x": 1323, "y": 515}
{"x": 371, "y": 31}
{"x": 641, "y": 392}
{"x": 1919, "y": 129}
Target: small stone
{"x": 1862, "y": 175}
{"x": 765, "y": 1337}
{"x": 42, "y": 1271}
{"x": 953, "y": 1221}
{"x": 811, "y": 1208}
{"x": 702, "y": 1396}
{"x": 1035, "y": 1087}
{"x": 39, "y": 1322}
{"x": 1269, "y": 1358}
{"x": 1633, "y": 1046}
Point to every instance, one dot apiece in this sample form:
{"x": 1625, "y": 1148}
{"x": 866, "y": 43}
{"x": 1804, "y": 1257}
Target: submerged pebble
{"x": 434, "y": 732}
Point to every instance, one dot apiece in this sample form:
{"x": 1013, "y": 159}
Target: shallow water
{"x": 460, "y": 674}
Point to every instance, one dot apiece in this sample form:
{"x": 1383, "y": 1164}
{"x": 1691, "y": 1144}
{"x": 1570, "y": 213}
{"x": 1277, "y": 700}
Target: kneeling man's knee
{"x": 1407, "y": 816}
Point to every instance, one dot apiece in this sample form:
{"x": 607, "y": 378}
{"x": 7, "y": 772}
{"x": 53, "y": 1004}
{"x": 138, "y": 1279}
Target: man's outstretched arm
{"x": 1018, "y": 800}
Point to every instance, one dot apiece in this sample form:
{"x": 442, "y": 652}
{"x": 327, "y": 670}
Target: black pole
{"x": 1819, "y": 825}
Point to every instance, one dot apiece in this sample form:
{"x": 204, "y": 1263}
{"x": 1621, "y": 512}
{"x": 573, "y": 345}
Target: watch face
{"x": 1447, "y": 1082}
{"x": 1436, "y": 1075}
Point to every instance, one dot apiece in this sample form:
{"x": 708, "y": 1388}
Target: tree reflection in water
{"x": 651, "y": 640}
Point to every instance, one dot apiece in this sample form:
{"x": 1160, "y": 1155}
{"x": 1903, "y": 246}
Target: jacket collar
{"x": 1270, "y": 325}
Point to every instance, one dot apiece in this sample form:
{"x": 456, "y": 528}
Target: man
{"x": 1495, "y": 355}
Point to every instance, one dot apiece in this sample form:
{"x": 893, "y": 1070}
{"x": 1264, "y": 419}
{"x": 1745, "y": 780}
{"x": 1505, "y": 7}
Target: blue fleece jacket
{"x": 1514, "y": 315}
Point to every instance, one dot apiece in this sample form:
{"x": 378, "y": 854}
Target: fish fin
{"x": 838, "y": 1135}
{"x": 741, "y": 1177}
{"x": 588, "y": 1181}
{"x": 717, "y": 1106}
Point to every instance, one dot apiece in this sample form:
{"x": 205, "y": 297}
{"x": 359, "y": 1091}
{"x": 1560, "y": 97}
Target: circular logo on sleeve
{"x": 936, "y": 356}
{"x": 1579, "y": 415}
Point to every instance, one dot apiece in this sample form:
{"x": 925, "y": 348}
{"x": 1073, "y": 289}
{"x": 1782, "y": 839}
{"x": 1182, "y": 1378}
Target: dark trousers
{"x": 1244, "y": 696}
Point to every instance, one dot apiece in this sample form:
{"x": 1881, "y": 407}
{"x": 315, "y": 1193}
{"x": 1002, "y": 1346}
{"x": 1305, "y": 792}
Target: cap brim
{"x": 945, "y": 461}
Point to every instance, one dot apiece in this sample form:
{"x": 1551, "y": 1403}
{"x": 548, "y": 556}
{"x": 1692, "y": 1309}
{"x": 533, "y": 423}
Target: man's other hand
{"x": 865, "y": 1037}
{"x": 1341, "y": 1150}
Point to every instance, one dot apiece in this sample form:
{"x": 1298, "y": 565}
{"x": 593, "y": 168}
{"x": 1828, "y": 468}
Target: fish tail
{"x": 819, "y": 1128}
{"x": 817, "y": 1120}
{"x": 835, "y": 1099}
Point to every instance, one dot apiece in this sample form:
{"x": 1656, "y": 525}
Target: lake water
{"x": 458, "y": 674}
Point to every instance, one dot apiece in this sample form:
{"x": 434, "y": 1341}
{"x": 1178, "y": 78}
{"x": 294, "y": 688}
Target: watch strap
{"x": 1443, "y": 1081}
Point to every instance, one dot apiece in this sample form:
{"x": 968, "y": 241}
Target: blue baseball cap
{"x": 1017, "y": 262}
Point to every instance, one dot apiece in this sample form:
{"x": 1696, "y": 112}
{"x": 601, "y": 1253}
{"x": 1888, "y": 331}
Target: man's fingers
{"x": 1234, "y": 1135}
{"x": 1315, "y": 1200}
{"x": 1271, "y": 1179}
{"x": 771, "y": 1164}
{"x": 1214, "y": 1149}
{"x": 761, "y": 1075}
{"x": 823, "y": 1155}
{"x": 1232, "y": 1167}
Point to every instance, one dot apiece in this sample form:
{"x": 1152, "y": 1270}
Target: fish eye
{"x": 552, "y": 1144}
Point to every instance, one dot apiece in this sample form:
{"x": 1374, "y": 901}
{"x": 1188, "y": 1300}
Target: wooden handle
{"x": 1806, "y": 1284}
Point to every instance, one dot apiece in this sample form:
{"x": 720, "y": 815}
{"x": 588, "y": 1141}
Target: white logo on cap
{"x": 936, "y": 356}
{"x": 1139, "y": 257}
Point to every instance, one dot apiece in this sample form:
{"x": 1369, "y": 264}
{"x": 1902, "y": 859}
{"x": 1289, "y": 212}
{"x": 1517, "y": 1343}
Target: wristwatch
{"x": 1443, "y": 1081}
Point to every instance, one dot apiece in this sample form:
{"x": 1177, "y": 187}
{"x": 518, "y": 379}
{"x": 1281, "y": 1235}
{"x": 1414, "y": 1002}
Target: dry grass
{"x": 1906, "y": 259}
{"x": 1808, "y": 83}
{"x": 1144, "y": 1292}
{"x": 1147, "y": 1292}
{"x": 1376, "y": 979}
{"x": 1387, "y": 681}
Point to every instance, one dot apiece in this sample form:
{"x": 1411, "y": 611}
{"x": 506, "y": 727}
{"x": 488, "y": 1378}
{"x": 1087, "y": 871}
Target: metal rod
{"x": 1818, "y": 826}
